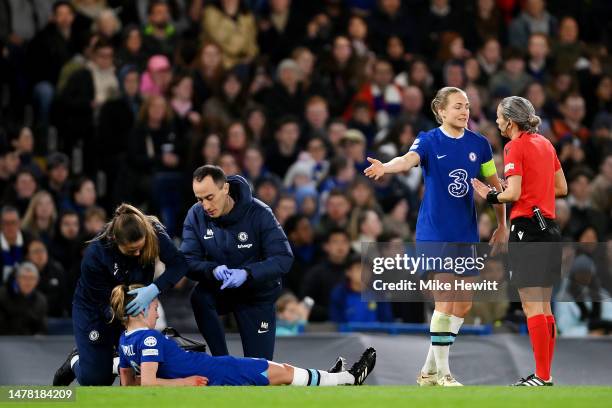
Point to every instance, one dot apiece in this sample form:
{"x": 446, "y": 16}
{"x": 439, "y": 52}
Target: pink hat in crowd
{"x": 158, "y": 63}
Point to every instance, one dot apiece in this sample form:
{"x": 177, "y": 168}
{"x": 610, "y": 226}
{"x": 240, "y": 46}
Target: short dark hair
{"x": 155, "y": 3}
{"x": 337, "y": 230}
{"x": 291, "y": 224}
{"x": 285, "y": 120}
{"x": 217, "y": 174}
{"x": 61, "y": 3}
{"x": 9, "y": 209}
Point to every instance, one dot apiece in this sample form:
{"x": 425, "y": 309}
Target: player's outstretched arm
{"x": 397, "y": 165}
{"x": 148, "y": 377}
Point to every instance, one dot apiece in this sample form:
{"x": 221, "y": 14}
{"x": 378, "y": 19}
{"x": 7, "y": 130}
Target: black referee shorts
{"x": 534, "y": 255}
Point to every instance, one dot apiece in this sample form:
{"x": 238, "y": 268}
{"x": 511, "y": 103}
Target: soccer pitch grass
{"x": 353, "y": 397}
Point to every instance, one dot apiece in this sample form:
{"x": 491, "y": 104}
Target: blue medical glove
{"x": 144, "y": 296}
{"x": 221, "y": 272}
{"x": 236, "y": 279}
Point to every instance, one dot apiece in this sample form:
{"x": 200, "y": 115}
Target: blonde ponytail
{"x": 119, "y": 300}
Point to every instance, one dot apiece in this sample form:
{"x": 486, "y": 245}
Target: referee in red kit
{"x": 534, "y": 179}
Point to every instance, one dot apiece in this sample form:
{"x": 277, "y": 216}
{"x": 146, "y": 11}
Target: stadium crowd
{"x": 110, "y": 101}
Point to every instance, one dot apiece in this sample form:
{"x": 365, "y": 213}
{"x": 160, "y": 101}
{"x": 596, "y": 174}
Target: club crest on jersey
{"x": 473, "y": 156}
{"x": 150, "y": 341}
{"x": 94, "y": 335}
{"x": 243, "y": 236}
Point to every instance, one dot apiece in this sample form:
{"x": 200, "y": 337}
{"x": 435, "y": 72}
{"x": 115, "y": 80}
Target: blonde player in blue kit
{"x": 147, "y": 357}
{"x": 450, "y": 155}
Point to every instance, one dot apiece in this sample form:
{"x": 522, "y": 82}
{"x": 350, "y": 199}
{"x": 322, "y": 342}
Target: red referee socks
{"x": 552, "y": 329}
{"x": 540, "y": 341}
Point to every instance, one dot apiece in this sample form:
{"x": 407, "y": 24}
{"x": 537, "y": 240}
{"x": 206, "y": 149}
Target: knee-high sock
{"x": 552, "y": 330}
{"x": 456, "y": 323}
{"x": 441, "y": 339}
{"x": 540, "y": 341}
{"x": 430, "y": 362}
{"x": 311, "y": 377}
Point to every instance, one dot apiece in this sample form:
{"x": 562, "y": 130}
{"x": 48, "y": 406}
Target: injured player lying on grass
{"x": 147, "y": 357}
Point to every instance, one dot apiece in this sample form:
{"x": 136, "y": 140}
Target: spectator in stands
{"x": 208, "y": 72}
{"x": 490, "y": 59}
{"x": 368, "y": 228}
{"x": 574, "y": 139}
{"x": 108, "y": 26}
{"x": 12, "y": 241}
{"x": 67, "y": 245}
{"x": 533, "y": 19}
{"x": 538, "y": 54}
{"x": 567, "y": 49}
{"x": 186, "y": 117}
{"x": 323, "y": 277}
{"x": 226, "y": 106}
{"x": 23, "y": 309}
{"x": 485, "y": 22}
{"x": 280, "y": 30}
{"x": 358, "y": 33}
{"x": 390, "y": 20}
{"x": 582, "y": 212}
{"x": 93, "y": 222}
{"x": 253, "y": 165}
{"x": 83, "y": 196}
{"x": 159, "y": 35}
{"x": 285, "y": 207}
{"x": 231, "y": 25}
{"x": 282, "y": 154}
{"x": 601, "y": 188}
{"x": 346, "y": 306}
{"x": 131, "y": 52}
{"x": 156, "y": 79}
{"x": 267, "y": 189}
{"x": 291, "y": 315}
{"x": 381, "y": 94}
{"x": 412, "y": 109}
{"x": 24, "y": 147}
{"x": 341, "y": 74}
{"x": 316, "y": 115}
{"x": 22, "y": 191}
{"x": 53, "y": 283}
{"x": 40, "y": 217}
{"x": 338, "y": 208}
{"x": 513, "y": 76}
{"x": 300, "y": 233}
{"x": 49, "y": 50}
{"x": 58, "y": 170}
{"x": 536, "y": 94}
{"x": 353, "y": 144}
{"x": 228, "y": 164}
{"x": 286, "y": 97}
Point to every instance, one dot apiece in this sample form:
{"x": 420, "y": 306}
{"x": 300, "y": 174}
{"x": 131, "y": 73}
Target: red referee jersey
{"x": 533, "y": 157}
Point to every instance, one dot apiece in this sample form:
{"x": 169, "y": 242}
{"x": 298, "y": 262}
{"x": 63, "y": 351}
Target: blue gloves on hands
{"x": 221, "y": 272}
{"x": 144, "y": 296}
{"x": 236, "y": 278}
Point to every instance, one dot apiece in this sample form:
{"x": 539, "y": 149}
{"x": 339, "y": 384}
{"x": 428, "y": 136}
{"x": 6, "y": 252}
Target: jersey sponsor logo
{"x": 243, "y": 236}
{"x": 241, "y": 246}
{"x": 150, "y": 352}
{"x": 128, "y": 350}
{"x": 150, "y": 341}
{"x": 94, "y": 335}
{"x": 508, "y": 167}
{"x": 472, "y": 156}
{"x": 264, "y": 328}
{"x": 441, "y": 157}
{"x": 459, "y": 187}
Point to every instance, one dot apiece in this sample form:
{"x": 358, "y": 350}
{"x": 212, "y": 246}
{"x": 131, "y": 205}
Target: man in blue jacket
{"x": 237, "y": 251}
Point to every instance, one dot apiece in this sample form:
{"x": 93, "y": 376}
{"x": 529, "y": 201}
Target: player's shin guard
{"x": 552, "y": 330}
{"x": 311, "y": 377}
{"x": 441, "y": 339}
{"x": 540, "y": 341}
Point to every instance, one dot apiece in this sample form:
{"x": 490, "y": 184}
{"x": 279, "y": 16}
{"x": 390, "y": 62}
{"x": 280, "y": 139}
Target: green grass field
{"x": 354, "y": 397}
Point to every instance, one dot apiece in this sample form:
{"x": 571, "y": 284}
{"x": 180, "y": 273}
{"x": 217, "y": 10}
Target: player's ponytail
{"x": 440, "y": 101}
{"x": 130, "y": 225}
{"x": 520, "y": 111}
{"x": 119, "y": 300}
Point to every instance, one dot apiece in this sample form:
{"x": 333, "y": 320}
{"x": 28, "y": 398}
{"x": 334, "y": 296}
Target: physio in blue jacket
{"x": 237, "y": 251}
{"x": 124, "y": 253}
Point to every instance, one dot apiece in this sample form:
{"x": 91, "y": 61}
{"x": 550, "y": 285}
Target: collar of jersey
{"x": 449, "y": 136}
{"x": 127, "y": 333}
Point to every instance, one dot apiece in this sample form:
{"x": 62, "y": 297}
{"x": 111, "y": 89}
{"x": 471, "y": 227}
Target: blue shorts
{"x": 228, "y": 370}
{"x": 447, "y": 257}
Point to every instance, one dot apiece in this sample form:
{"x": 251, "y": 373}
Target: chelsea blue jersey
{"x": 145, "y": 345}
{"x": 448, "y": 212}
